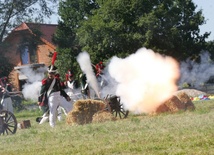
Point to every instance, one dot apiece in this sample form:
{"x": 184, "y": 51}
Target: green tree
{"x": 210, "y": 48}
{"x": 72, "y": 13}
{"x": 108, "y": 28}
{"x": 121, "y": 27}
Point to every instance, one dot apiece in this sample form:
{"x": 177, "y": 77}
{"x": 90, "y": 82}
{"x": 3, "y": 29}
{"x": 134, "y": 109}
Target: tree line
{"x": 108, "y": 28}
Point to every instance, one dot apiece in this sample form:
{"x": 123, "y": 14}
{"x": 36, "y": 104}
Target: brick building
{"x": 30, "y": 46}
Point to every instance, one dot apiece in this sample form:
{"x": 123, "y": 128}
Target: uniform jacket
{"x": 46, "y": 83}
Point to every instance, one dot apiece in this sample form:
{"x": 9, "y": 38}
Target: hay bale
{"x": 185, "y": 99}
{"x": 171, "y": 105}
{"x": 102, "y": 116}
{"x": 162, "y": 108}
{"x": 179, "y": 101}
{"x": 174, "y": 104}
{"x": 83, "y": 111}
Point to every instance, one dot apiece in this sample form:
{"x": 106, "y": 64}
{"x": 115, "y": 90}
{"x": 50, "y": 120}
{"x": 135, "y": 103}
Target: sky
{"x": 207, "y": 7}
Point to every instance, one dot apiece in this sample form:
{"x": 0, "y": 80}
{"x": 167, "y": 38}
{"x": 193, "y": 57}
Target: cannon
{"x": 113, "y": 103}
{"x": 114, "y": 106}
{"x": 8, "y": 122}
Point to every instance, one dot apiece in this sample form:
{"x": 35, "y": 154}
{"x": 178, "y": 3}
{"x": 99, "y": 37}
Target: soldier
{"x": 52, "y": 89}
{"x": 99, "y": 68}
{"x": 6, "y": 89}
{"x": 84, "y": 86}
{"x": 71, "y": 85}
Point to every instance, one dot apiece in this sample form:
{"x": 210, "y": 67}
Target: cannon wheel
{"x": 8, "y": 123}
{"x": 117, "y": 108}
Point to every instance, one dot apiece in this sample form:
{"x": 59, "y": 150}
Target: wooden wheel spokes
{"x": 9, "y": 123}
{"x": 120, "y": 112}
{"x": 117, "y": 108}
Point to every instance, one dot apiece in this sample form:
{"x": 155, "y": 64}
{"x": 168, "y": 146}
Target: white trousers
{"x": 53, "y": 102}
{"x": 66, "y": 105}
{"x": 8, "y": 104}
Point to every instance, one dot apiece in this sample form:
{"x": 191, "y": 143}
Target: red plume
{"x": 54, "y": 58}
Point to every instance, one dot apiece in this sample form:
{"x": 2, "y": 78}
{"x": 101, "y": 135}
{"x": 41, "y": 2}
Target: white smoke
{"x": 85, "y": 64}
{"x": 196, "y": 74}
{"x": 145, "y": 79}
{"x": 110, "y": 85}
{"x": 33, "y": 84}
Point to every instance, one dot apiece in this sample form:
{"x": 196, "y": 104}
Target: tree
{"x": 210, "y": 48}
{"x": 72, "y": 13}
{"x": 168, "y": 27}
{"x": 121, "y": 27}
{"x": 14, "y": 12}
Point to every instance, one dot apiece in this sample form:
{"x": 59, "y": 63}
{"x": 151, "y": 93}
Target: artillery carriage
{"x": 8, "y": 122}
{"x": 114, "y": 106}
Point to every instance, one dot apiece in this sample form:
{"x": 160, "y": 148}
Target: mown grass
{"x": 183, "y": 133}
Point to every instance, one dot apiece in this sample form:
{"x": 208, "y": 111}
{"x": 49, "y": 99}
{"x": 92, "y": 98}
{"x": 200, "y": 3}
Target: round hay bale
{"x": 103, "y": 116}
{"x": 83, "y": 111}
{"x": 185, "y": 99}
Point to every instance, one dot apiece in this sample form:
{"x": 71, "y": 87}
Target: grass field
{"x": 183, "y": 133}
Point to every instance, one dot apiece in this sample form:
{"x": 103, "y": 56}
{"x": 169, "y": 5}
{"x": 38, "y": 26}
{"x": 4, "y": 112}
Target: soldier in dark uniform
{"x": 84, "y": 86}
{"x": 6, "y": 89}
{"x": 51, "y": 88}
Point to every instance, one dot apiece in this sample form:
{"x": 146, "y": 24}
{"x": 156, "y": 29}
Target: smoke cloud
{"x": 194, "y": 73}
{"x": 85, "y": 64}
{"x": 33, "y": 83}
{"x": 145, "y": 79}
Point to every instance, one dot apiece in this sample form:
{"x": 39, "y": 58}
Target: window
{"x": 25, "y": 55}
{"x": 28, "y": 55}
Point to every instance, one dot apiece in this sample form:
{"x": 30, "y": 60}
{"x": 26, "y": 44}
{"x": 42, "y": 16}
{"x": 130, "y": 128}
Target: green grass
{"x": 183, "y": 133}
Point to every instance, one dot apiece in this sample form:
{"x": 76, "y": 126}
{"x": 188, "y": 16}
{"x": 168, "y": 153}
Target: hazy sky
{"x": 207, "y": 7}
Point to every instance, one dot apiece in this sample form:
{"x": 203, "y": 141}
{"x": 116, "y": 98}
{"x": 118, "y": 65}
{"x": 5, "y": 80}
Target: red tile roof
{"x": 47, "y": 30}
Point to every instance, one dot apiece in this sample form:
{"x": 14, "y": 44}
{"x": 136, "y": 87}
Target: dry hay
{"x": 180, "y": 101}
{"x": 185, "y": 99}
{"x": 191, "y": 92}
{"x": 103, "y": 116}
{"x": 83, "y": 111}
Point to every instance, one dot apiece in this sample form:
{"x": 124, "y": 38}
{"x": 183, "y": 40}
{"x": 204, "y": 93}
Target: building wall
{"x": 43, "y": 54}
{"x": 14, "y": 56}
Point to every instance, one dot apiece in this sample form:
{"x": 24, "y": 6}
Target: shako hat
{"x": 52, "y": 68}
